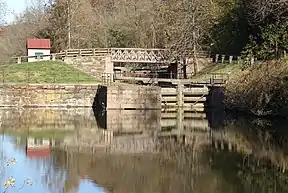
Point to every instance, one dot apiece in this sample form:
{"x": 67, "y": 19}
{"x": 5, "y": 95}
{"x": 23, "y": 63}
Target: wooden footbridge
{"x": 208, "y": 79}
{"x": 155, "y": 58}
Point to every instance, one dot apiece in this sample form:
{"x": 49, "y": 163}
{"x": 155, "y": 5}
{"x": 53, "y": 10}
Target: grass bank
{"x": 47, "y": 134}
{"x": 232, "y": 69}
{"x": 260, "y": 89}
{"x": 43, "y": 72}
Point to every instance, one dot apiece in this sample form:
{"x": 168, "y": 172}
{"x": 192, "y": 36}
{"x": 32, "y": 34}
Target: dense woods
{"x": 250, "y": 27}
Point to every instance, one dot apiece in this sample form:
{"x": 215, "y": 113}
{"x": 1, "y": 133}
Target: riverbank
{"x": 260, "y": 90}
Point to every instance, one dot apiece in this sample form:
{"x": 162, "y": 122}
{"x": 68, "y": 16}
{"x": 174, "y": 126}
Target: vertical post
{"x": 180, "y": 118}
{"x": 216, "y": 58}
{"x": 109, "y": 67}
{"x": 251, "y": 60}
{"x": 180, "y": 88}
{"x": 230, "y": 59}
{"x": 238, "y": 59}
{"x": 222, "y": 59}
{"x": 53, "y": 57}
{"x": 19, "y": 60}
{"x": 3, "y": 75}
{"x": 285, "y": 54}
{"x": 178, "y": 70}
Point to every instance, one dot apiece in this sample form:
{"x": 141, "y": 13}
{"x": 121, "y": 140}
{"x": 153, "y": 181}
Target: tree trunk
{"x": 194, "y": 39}
{"x": 69, "y": 24}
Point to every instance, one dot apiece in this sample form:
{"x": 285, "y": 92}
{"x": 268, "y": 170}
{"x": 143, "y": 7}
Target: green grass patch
{"x": 44, "y": 134}
{"x": 232, "y": 69}
{"x": 43, "y": 72}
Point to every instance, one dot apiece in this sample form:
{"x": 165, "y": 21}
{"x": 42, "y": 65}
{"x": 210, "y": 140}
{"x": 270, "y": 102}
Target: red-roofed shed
{"x": 38, "y": 152}
{"x": 38, "y": 47}
{"x": 38, "y": 148}
{"x": 38, "y": 44}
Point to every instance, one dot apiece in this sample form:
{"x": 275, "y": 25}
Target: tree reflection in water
{"x": 235, "y": 155}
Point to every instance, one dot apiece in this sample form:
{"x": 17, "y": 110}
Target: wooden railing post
{"x": 216, "y": 58}
{"x": 53, "y": 57}
{"x": 238, "y": 59}
{"x": 230, "y": 59}
{"x": 18, "y": 60}
{"x": 180, "y": 88}
{"x": 222, "y": 59}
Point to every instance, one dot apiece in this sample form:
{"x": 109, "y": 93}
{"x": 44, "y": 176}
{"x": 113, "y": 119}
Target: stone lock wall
{"x": 80, "y": 95}
{"x": 93, "y": 65}
{"x": 47, "y": 95}
{"x": 129, "y": 97}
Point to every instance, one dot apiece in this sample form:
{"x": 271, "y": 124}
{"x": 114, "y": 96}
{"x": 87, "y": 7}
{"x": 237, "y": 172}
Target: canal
{"x": 81, "y": 150}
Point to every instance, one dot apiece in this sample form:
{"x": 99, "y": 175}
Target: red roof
{"x": 38, "y": 152}
{"x": 38, "y": 44}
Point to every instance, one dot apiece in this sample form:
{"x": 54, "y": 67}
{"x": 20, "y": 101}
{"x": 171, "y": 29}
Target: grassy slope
{"x": 232, "y": 69}
{"x": 260, "y": 89}
{"x": 43, "y": 72}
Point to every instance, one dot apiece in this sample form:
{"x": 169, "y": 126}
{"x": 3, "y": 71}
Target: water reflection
{"x": 81, "y": 150}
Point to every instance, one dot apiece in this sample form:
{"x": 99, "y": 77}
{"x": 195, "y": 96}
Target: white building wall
{"x": 31, "y": 52}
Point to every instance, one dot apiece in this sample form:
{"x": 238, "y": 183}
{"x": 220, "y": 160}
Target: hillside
{"x": 43, "y": 72}
{"x": 261, "y": 89}
{"x": 231, "y": 69}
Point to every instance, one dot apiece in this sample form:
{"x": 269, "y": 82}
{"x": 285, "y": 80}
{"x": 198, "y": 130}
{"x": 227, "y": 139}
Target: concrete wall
{"x": 129, "y": 97}
{"x": 93, "y": 65}
{"x": 31, "y": 52}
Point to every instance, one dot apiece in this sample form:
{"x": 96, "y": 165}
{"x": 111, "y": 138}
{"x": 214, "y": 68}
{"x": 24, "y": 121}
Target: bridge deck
{"x": 215, "y": 82}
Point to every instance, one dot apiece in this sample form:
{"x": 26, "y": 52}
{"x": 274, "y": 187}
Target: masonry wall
{"x": 80, "y": 95}
{"x": 93, "y": 65}
{"x": 47, "y": 95}
{"x": 129, "y": 97}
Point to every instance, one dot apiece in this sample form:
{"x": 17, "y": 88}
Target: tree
{"x": 3, "y": 12}
{"x": 262, "y": 11}
{"x": 188, "y": 23}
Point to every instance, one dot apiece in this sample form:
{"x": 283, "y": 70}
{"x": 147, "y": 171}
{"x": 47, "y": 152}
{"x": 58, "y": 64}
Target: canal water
{"x": 84, "y": 151}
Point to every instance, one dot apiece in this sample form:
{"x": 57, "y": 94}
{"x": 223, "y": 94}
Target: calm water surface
{"x": 80, "y": 151}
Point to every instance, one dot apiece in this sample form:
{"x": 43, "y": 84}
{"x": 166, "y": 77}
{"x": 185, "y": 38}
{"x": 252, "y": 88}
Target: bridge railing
{"x": 85, "y": 52}
{"x": 21, "y": 59}
{"x": 209, "y": 78}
